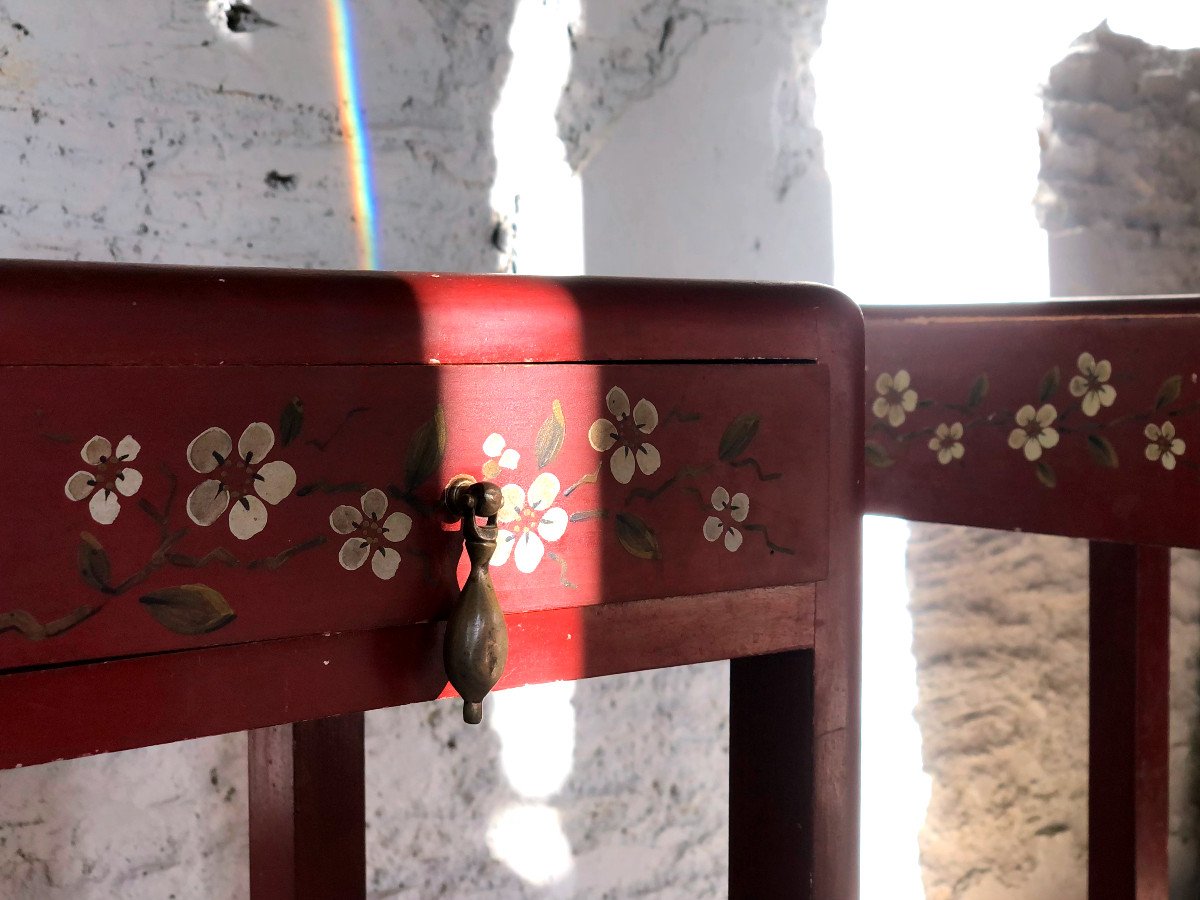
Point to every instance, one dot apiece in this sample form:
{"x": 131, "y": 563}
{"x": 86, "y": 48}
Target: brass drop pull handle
{"x": 476, "y": 643}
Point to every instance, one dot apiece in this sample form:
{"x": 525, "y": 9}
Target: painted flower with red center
{"x": 109, "y": 477}
{"x": 896, "y": 397}
{"x": 947, "y": 443}
{"x": 1091, "y": 384}
{"x": 500, "y": 456}
{"x": 627, "y": 433}
{"x": 1163, "y": 446}
{"x": 1033, "y": 433}
{"x": 526, "y": 521}
{"x": 738, "y": 507}
{"x": 371, "y": 529}
{"x": 238, "y": 480}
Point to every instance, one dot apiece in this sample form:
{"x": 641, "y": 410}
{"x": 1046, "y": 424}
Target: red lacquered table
{"x": 1075, "y": 418}
{"x": 233, "y": 483}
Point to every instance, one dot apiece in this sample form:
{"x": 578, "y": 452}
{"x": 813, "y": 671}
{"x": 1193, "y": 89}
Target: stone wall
{"x": 1000, "y": 620}
{"x": 155, "y": 133}
{"x": 1120, "y": 182}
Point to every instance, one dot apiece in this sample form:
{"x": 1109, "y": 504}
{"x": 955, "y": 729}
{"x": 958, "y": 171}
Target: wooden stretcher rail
{"x": 69, "y": 711}
{"x": 1073, "y": 418}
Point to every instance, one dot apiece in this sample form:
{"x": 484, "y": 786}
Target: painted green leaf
{"x": 1169, "y": 392}
{"x": 1049, "y": 385}
{"x": 189, "y": 609}
{"x": 426, "y": 451}
{"x": 738, "y": 436}
{"x": 1045, "y": 474}
{"x": 636, "y": 537}
{"x": 924, "y": 404}
{"x": 1102, "y": 451}
{"x": 291, "y": 420}
{"x": 94, "y": 566}
{"x": 978, "y": 392}
{"x": 550, "y": 436}
{"x": 877, "y": 455}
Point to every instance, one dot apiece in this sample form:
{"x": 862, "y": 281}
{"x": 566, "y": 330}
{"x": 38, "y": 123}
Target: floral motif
{"x": 239, "y": 480}
{"x": 501, "y": 456}
{"x": 627, "y": 434}
{"x": 1091, "y": 386}
{"x": 1163, "y": 446}
{"x": 369, "y": 529}
{"x": 896, "y": 398}
{"x": 527, "y": 520}
{"x": 1034, "y": 434}
{"x": 738, "y": 506}
{"x": 110, "y": 477}
{"x": 947, "y": 442}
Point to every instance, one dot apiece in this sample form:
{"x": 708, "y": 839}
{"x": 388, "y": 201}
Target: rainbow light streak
{"x": 357, "y": 151}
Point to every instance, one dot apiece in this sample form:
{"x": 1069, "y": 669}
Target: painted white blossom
{"x": 239, "y": 481}
{"x": 1034, "y": 434}
{"x": 947, "y": 442}
{"x": 109, "y": 478}
{"x": 371, "y": 529}
{"x": 627, "y": 433}
{"x": 738, "y": 507}
{"x": 896, "y": 398}
{"x": 1090, "y": 384}
{"x": 500, "y": 456}
{"x": 1163, "y": 446}
{"x": 526, "y": 520}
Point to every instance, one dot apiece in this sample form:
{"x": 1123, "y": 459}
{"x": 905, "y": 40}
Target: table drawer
{"x": 157, "y": 508}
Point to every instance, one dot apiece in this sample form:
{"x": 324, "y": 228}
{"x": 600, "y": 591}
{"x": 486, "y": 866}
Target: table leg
{"x": 1128, "y": 743}
{"x": 307, "y": 818}
{"x": 770, "y": 776}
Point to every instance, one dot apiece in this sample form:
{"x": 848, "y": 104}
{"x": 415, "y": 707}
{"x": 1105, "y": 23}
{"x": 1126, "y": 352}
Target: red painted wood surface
{"x": 307, "y": 821}
{"x": 1097, "y": 481}
{"x": 837, "y": 646}
{"x": 750, "y": 430}
{"x": 771, "y": 766}
{"x": 794, "y": 718}
{"x": 107, "y": 314}
{"x": 1129, "y": 733}
{"x": 81, "y": 710}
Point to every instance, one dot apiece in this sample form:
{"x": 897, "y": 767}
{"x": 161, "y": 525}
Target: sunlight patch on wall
{"x": 529, "y": 839}
{"x": 536, "y": 726}
{"x": 538, "y": 200}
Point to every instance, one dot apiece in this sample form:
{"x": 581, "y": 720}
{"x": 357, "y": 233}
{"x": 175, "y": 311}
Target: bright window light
{"x": 929, "y": 114}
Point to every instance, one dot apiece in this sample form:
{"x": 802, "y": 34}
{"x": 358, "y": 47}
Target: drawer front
{"x": 136, "y": 525}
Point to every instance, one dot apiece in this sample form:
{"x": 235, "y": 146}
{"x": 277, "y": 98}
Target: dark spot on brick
{"x": 241, "y": 17}
{"x": 36, "y": 114}
{"x": 277, "y": 181}
{"x": 20, "y": 29}
{"x": 212, "y": 777}
{"x": 668, "y": 27}
{"x": 1052, "y": 829}
{"x": 502, "y": 236}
